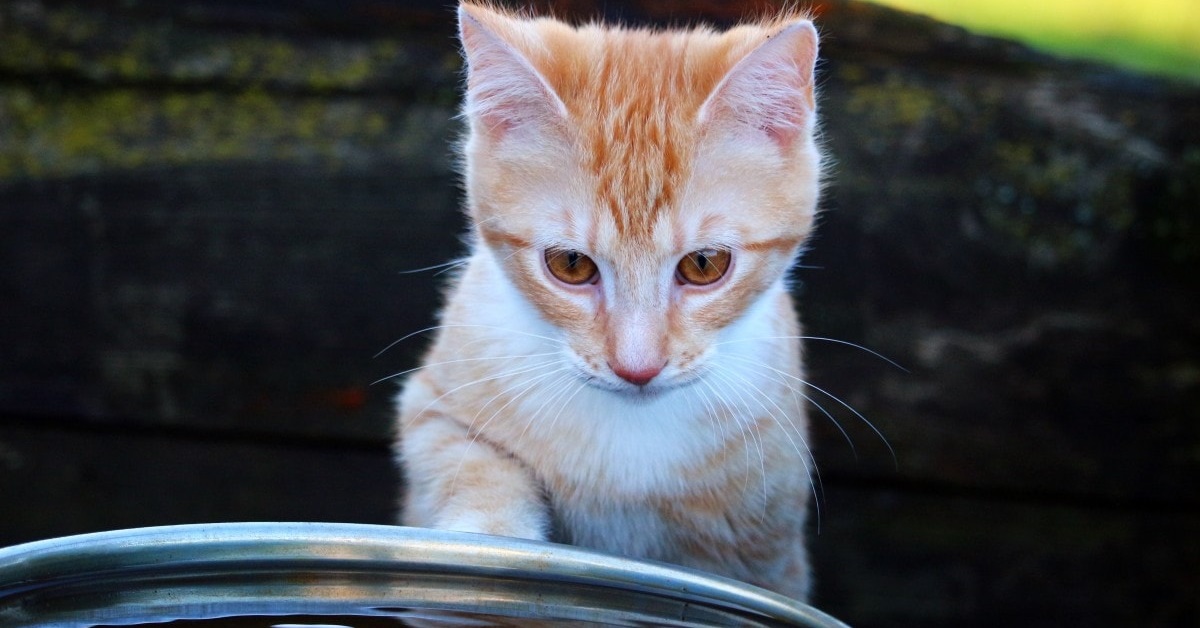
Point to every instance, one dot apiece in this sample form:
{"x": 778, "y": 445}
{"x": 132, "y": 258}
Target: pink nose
{"x": 639, "y": 376}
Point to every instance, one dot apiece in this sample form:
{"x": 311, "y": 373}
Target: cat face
{"x": 641, "y": 190}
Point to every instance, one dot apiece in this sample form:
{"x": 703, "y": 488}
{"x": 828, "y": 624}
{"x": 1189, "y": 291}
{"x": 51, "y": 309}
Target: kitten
{"x": 618, "y": 363}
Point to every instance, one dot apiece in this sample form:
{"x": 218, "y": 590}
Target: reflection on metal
{"x": 412, "y": 576}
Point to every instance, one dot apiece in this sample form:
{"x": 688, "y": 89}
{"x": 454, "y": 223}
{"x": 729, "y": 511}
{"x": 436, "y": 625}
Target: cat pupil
{"x": 572, "y": 259}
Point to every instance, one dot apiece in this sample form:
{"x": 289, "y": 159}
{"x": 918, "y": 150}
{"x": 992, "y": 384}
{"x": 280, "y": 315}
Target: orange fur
{"x": 636, "y": 413}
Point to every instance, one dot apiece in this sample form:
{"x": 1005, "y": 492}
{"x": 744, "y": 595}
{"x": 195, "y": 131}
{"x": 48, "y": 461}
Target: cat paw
{"x": 480, "y": 523}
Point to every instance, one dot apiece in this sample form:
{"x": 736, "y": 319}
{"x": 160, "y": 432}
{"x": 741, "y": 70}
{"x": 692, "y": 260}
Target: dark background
{"x": 207, "y": 209}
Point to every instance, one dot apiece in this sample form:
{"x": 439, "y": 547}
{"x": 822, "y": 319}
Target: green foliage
{"x": 1157, "y": 36}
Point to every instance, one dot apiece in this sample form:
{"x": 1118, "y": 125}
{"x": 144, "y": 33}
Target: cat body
{"x": 618, "y": 362}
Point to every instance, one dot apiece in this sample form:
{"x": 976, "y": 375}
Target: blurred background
{"x": 209, "y": 210}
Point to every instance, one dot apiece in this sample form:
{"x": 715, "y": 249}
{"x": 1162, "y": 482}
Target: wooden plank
{"x": 903, "y": 559}
{"x": 313, "y": 47}
{"x": 248, "y": 299}
{"x": 232, "y": 259}
{"x": 992, "y": 233}
{"x": 60, "y": 481}
{"x": 882, "y": 557}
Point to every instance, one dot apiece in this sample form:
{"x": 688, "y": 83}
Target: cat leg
{"x": 795, "y": 579}
{"x": 457, "y": 482}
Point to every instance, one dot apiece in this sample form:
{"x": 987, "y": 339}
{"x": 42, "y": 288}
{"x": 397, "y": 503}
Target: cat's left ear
{"x": 771, "y": 89}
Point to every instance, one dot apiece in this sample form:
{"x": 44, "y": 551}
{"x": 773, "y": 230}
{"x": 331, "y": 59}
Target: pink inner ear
{"x": 771, "y": 89}
{"x": 504, "y": 92}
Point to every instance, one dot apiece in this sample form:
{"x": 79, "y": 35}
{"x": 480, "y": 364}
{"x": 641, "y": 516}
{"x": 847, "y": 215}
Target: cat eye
{"x": 571, "y": 267}
{"x": 703, "y": 267}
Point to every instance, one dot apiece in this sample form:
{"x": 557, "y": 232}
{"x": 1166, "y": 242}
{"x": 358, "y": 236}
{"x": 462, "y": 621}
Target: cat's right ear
{"x": 505, "y": 93}
{"x": 770, "y": 91}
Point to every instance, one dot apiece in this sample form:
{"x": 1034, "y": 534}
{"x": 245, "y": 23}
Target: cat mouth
{"x": 650, "y": 391}
{"x": 645, "y": 392}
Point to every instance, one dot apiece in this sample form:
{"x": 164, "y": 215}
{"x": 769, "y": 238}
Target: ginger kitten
{"x": 618, "y": 363}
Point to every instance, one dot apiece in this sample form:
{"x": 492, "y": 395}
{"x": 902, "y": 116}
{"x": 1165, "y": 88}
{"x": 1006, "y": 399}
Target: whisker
{"x": 748, "y": 424}
{"x": 836, "y": 399}
{"x": 732, "y": 414}
{"x": 818, "y": 338}
{"x": 518, "y": 251}
{"x": 443, "y": 266}
{"x": 895, "y": 461}
{"x": 529, "y": 384}
{"x": 460, "y": 326}
{"x": 806, "y": 456}
{"x": 492, "y": 377}
{"x": 712, "y": 414}
{"x": 762, "y": 395}
{"x": 558, "y": 393}
{"x": 580, "y": 385}
{"x": 767, "y": 371}
{"x": 445, "y": 362}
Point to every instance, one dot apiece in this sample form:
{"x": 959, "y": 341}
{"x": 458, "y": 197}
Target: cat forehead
{"x": 633, "y": 98}
{"x": 600, "y": 67}
{"x": 666, "y": 234}
{"x": 631, "y": 152}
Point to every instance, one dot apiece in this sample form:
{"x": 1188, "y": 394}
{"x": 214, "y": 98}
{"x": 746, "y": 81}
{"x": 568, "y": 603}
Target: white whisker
{"x": 784, "y": 422}
{"x": 489, "y": 378}
{"x": 732, "y": 414}
{"x": 525, "y": 386}
{"x": 443, "y": 267}
{"x": 708, "y": 410}
{"x": 579, "y": 386}
{"x": 528, "y": 385}
{"x": 460, "y": 326}
{"x": 559, "y": 392}
{"x": 773, "y": 374}
{"x": 834, "y": 398}
{"x": 445, "y": 362}
{"x": 818, "y": 338}
{"x": 747, "y": 424}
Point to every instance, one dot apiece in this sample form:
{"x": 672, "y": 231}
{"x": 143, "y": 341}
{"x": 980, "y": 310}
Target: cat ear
{"x": 771, "y": 89}
{"x": 504, "y": 91}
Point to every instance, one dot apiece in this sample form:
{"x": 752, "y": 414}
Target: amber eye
{"x": 571, "y": 267}
{"x": 703, "y": 267}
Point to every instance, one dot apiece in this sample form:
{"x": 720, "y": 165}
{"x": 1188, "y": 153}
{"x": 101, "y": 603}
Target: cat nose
{"x": 638, "y": 376}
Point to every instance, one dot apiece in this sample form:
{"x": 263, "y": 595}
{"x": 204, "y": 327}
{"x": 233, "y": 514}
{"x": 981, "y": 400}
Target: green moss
{"x": 53, "y": 135}
{"x": 98, "y": 45}
{"x": 1171, "y": 225}
{"x": 1056, "y": 201}
{"x": 51, "y": 132}
{"x": 893, "y": 103}
{"x": 22, "y": 50}
{"x": 894, "y": 114}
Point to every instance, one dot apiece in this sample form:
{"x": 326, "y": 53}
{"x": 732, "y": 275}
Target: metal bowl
{"x": 350, "y": 574}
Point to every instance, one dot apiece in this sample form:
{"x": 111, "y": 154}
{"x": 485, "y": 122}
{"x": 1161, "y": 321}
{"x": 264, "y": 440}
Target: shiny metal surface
{"x": 417, "y": 576}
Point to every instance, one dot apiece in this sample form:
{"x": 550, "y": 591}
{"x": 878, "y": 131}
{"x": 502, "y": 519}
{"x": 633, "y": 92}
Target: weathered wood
{"x": 232, "y": 260}
{"x": 245, "y": 299}
{"x": 206, "y": 213}
{"x": 71, "y": 480}
{"x": 882, "y": 556}
{"x": 899, "y": 558}
{"x": 996, "y": 235}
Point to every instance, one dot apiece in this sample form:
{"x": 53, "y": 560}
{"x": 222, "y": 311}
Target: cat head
{"x": 641, "y": 189}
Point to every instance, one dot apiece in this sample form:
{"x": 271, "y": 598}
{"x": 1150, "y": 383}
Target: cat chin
{"x": 649, "y": 393}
